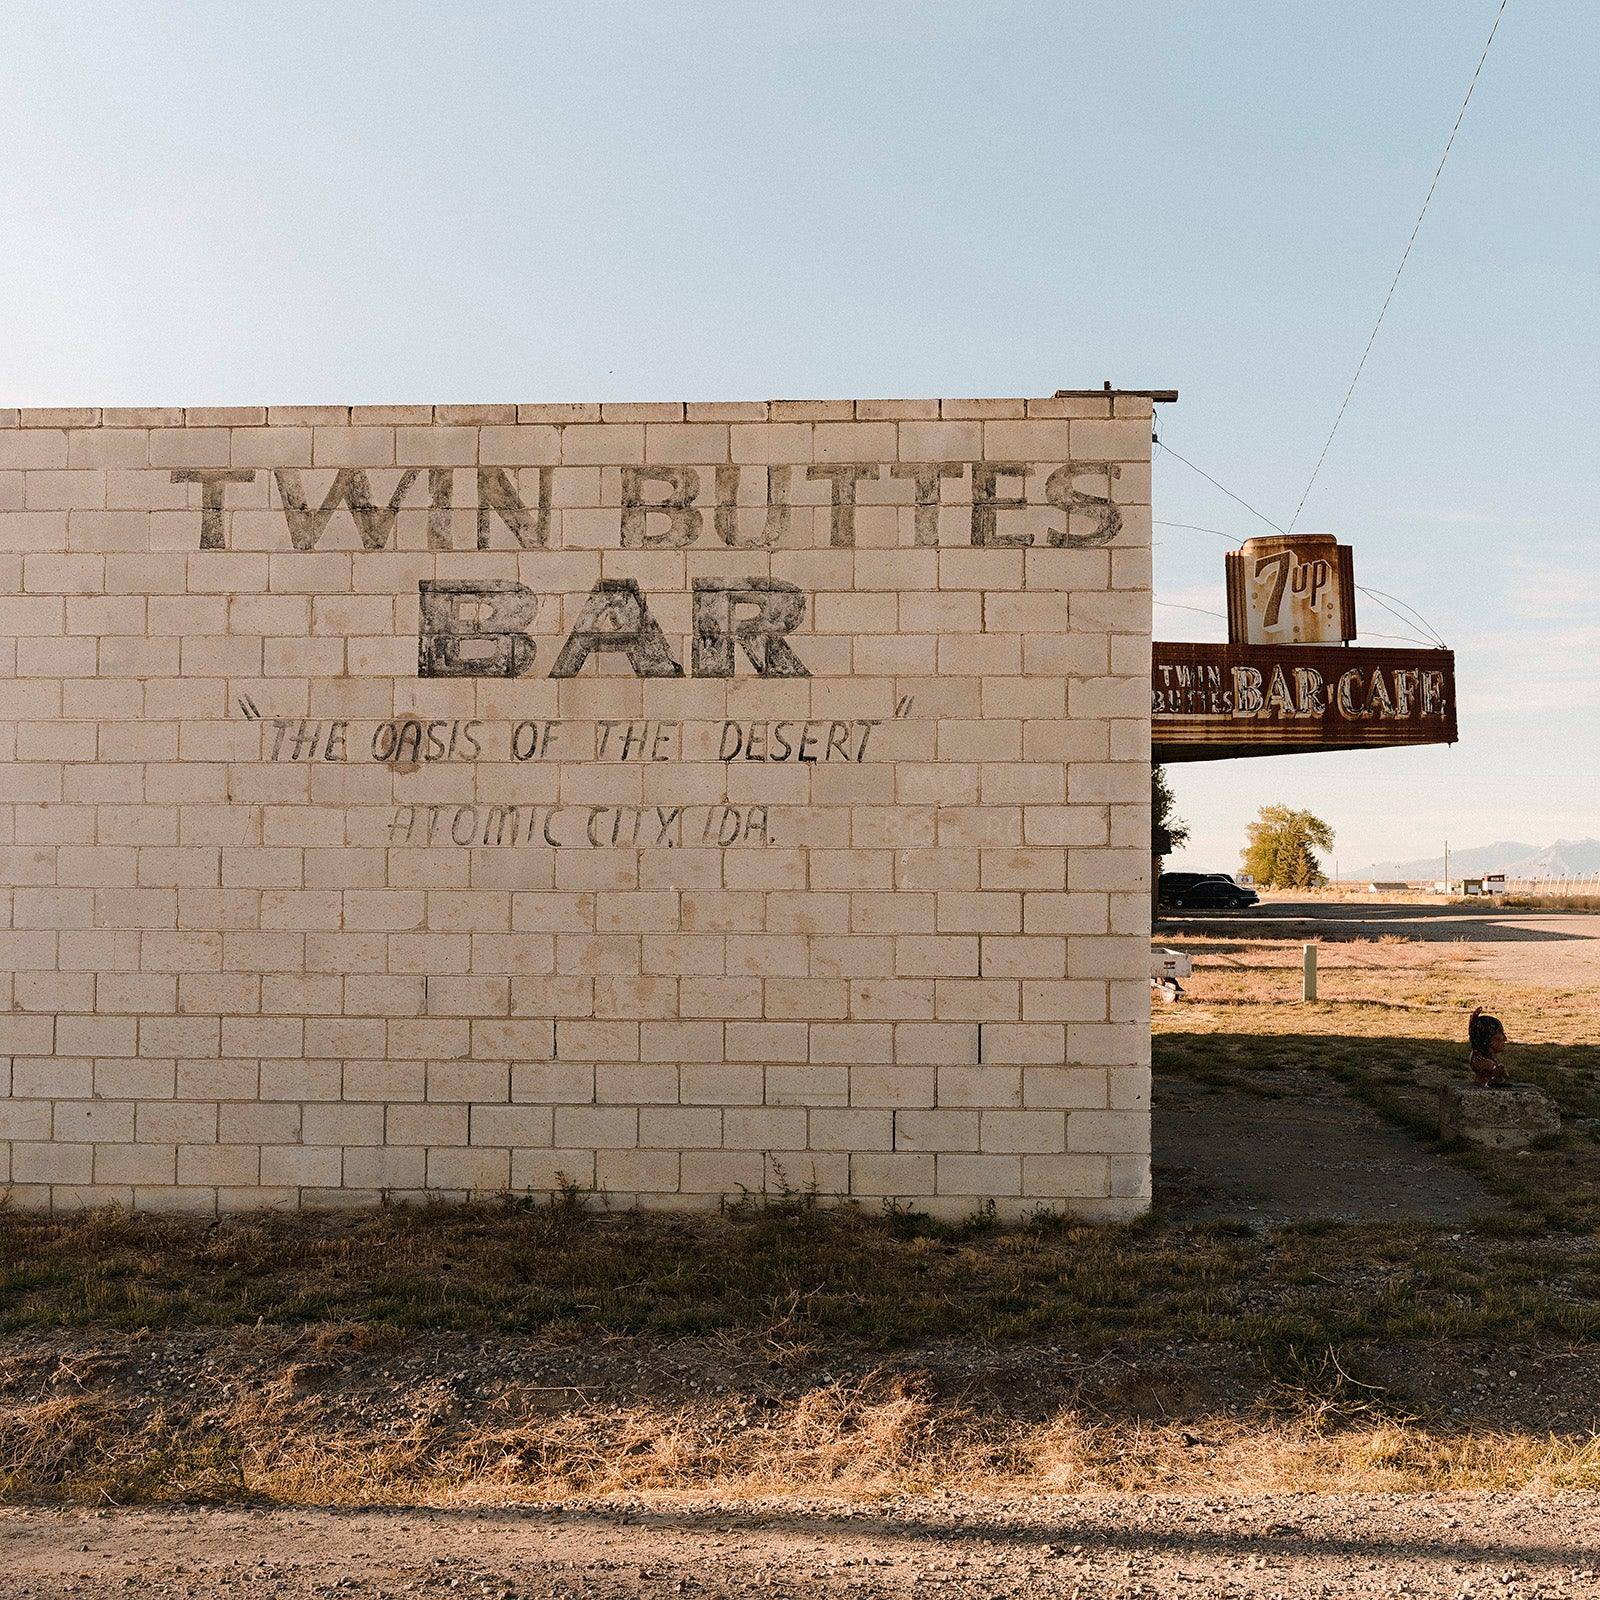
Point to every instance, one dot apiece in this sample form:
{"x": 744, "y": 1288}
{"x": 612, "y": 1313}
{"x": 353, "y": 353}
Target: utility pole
{"x": 1447, "y": 866}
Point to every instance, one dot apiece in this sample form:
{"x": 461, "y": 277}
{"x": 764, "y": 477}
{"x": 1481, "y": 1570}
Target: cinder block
{"x": 479, "y": 1171}
{"x": 549, "y": 1171}
{"x": 1040, "y": 1132}
{"x": 597, "y": 1041}
{"x": 853, "y": 1128}
{"x": 52, "y": 1078}
{"x": 637, "y": 1171}
{"x": 129, "y": 1164}
{"x": 980, "y": 1087}
{"x": 1066, "y": 1177}
{"x": 174, "y": 1122}
{"x": 341, "y": 1125}
{"x": 680, "y": 1127}
{"x": 1129, "y": 1088}
{"x": 627, "y": 1084}
{"x": 726, "y": 1085}
{"x": 599, "y": 1127}
{"x": 981, "y": 1176}
{"x": 936, "y": 1130}
{"x": 255, "y": 1122}
{"x": 426, "y": 1125}
{"x": 386, "y": 1168}
{"x": 512, "y": 1126}
{"x": 764, "y": 1128}
{"x": 897, "y": 1175}
{"x": 1109, "y": 1132}
{"x": 66, "y": 1197}
{"x": 51, "y": 1163}
{"x": 476, "y": 1081}
{"x": 301, "y": 1166}
{"x": 1065, "y": 1088}
{"x": 553, "y": 1082}
{"x": 180, "y": 1200}
{"x": 1130, "y": 1178}
{"x": 722, "y": 1172}
{"x": 26, "y": 1119}
{"x": 384, "y": 1080}
{"x": 92, "y": 1121}
{"x": 806, "y": 1084}
{"x": 893, "y": 1087}
{"x": 233, "y": 1165}
{"x": 217, "y": 1080}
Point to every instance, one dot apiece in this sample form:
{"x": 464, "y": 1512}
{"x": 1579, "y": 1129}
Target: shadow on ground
{"x": 1309, "y": 1151}
{"x": 1275, "y": 1128}
{"x": 1339, "y": 920}
{"x": 1247, "y": 1546}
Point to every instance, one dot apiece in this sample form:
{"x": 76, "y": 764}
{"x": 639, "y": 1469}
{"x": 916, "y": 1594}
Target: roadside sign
{"x": 1291, "y": 590}
{"x": 1213, "y": 700}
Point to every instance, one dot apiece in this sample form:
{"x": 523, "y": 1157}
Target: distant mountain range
{"x": 1565, "y": 858}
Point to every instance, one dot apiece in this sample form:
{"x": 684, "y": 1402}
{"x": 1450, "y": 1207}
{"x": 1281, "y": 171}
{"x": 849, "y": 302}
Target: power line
{"x": 1173, "y": 605}
{"x": 1194, "y": 527}
{"x": 1416, "y": 617}
{"x": 1401, "y": 638}
{"x": 1161, "y": 445}
{"x": 1405, "y": 256}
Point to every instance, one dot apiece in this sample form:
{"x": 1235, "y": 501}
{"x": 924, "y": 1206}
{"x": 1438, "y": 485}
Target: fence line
{"x": 1580, "y": 886}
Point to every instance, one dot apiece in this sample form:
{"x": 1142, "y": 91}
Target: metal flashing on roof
{"x": 1157, "y": 396}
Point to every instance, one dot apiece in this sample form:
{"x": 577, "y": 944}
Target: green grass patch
{"x": 795, "y": 1272}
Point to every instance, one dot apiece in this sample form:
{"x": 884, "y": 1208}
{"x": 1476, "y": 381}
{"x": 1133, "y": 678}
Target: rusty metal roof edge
{"x": 1158, "y": 396}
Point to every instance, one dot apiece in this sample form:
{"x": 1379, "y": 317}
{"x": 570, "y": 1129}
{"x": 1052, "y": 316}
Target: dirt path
{"x": 1312, "y": 1153}
{"x": 1368, "y": 1546}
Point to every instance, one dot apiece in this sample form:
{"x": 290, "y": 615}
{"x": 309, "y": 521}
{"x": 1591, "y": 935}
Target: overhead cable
{"x": 1213, "y": 482}
{"x": 1405, "y": 256}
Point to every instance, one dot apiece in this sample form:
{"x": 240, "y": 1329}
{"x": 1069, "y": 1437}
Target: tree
{"x": 1162, "y": 804}
{"x": 1281, "y": 848}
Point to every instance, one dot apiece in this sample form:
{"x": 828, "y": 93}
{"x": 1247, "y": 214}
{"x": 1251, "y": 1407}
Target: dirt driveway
{"x": 1511, "y": 1546}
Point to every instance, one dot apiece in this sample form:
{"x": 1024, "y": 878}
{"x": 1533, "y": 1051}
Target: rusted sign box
{"x": 1208, "y": 701}
{"x": 1291, "y": 589}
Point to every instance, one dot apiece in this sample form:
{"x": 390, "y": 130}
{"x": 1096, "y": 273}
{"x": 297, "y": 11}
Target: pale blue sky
{"x": 224, "y": 202}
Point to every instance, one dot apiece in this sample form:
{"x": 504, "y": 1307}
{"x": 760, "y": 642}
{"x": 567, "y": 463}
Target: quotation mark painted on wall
{"x": 250, "y": 708}
{"x": 902, "y": 706}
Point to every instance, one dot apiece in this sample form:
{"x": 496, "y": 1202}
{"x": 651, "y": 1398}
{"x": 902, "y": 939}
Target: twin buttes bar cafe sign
{"x": 1288, "y": 680}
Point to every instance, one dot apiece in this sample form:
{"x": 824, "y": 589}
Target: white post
{"x": 1308, "y": 991}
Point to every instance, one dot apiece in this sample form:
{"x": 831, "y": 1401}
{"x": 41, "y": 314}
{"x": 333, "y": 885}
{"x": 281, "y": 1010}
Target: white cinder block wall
{"x": 355, "y": 838}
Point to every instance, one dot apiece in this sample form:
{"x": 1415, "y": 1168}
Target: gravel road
{"x": 1373, "y": 1546}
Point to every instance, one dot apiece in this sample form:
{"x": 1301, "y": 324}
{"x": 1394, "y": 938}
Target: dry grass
{"x": 801, "y": 1392}
{"x": 880, "y": 1436}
